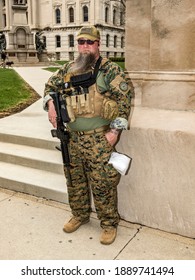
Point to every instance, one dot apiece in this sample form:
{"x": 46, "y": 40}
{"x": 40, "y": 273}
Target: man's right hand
{"x": 52, "y": 113}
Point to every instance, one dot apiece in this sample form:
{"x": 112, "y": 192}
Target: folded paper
{"x": 120, "y": 162}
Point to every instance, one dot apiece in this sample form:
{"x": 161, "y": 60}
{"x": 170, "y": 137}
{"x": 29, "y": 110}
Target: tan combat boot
{"x": 108, "y": 235}
{"x": 74, "y": 224}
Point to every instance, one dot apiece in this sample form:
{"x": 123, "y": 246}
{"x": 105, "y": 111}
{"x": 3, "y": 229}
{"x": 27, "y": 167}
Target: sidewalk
{"x": 33, "y": 120}
{"x": 31, "y": 227}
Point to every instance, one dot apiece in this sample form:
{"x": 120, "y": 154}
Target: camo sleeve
{"x": 121, "y": 88}
{"x": 54, "y": 84}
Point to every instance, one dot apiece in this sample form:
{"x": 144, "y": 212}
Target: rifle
{"x": 62, "y": 132}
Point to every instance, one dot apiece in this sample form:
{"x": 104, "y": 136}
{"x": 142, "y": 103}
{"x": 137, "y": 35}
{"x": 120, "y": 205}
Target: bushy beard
{"x": 83, "y": 63}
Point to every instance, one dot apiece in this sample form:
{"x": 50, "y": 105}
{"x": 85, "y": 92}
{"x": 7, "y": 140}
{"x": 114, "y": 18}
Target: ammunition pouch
{"x": 109, "y": 109}
{"x": 92, "y": 104}
{"x": 83, "y": 98}
{"x": 70, "y": 109}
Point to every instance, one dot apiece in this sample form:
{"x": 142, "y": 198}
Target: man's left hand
{"x": 112, "y": 136}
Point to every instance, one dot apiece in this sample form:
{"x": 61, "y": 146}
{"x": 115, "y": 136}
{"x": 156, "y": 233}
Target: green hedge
{"x": 117, "y": 59}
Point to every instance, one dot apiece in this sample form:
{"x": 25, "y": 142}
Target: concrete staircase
{"x": 32, "y": 166}
{"x": 29, "y": 162}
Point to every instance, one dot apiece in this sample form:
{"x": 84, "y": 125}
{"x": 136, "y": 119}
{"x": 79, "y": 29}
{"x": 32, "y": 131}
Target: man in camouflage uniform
{"x": 99, "y": 112}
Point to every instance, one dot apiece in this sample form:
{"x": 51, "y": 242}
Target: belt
{"x": 96, "y": 130}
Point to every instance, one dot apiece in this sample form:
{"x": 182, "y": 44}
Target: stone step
{"x": 32, "y": 166}
{"x": 33, "y": 181}
{"x": 38, "y": 158}
{"x": 29, "y": 140}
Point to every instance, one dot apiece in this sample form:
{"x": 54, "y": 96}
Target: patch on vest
{"x": 123, "y": 86}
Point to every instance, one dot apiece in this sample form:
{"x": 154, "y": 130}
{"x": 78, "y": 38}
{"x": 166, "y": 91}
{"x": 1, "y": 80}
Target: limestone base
{"x": 43, "y": 57}
{"x": 159, "y": 189}
{"x": 22, "y": 56}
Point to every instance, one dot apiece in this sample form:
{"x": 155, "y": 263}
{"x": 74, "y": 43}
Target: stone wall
{"x": 160, "y": 35}
{"x": 159, "y": 189}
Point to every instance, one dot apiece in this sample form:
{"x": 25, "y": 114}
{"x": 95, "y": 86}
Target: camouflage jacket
{"x": 118, "y": 84}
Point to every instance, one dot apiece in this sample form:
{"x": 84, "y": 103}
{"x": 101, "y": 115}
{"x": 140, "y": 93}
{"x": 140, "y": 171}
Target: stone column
{"x": 93, "y": 11}
{"x": 30, "y": 13}
{"x": 159, "y": 190}
{"x": 138, "y": 25}
{"x": 8, "y": 14}
{"x": 172, "y": 35}
{"x": 160, "y": 35}
{"x": 34, "y": 13}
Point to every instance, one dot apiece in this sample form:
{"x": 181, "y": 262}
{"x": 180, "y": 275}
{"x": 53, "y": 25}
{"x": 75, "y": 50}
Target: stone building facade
{"x": 58, "y": 22}
{"x": 159, "y": 190}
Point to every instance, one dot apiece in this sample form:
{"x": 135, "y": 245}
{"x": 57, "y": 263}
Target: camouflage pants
{"x": 90, "y": 172}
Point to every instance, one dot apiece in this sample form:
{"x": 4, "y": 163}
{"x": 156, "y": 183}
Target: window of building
{"x": 71, "y": 14}
{"x": 27, "y": 17}
{"x": 122, "y": 42}
{"x": 85, "y": 14}
{"x": 121, "y": 18}
{"x": 20, "y": 2}
{"x": 114, "y": 17}
{"x": 106, "y": 14}
{"x": 107, "y": 40}
{"x": 71, "y": 55}
{"x": 115, "y": 41}
{"x": 58, "y": 41}
{"x": 58, "y": 15}
{"x": 57, "y": 55}
{"x": 4, "y": 20}
{"x": 71, "y": 40}
{"x": 3, "y": 3}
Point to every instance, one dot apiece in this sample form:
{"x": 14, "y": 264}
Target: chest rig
{"x": 81, "y": 95}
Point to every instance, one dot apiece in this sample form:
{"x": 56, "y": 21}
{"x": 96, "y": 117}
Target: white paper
{"x": 120, "y": 162}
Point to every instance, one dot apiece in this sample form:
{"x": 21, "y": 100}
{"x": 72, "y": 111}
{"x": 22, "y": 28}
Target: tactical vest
{"x": 86, "y": 98}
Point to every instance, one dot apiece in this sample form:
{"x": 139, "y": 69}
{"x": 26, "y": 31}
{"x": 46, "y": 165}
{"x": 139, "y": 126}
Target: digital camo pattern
{"x": 90, "y": 154}
{"x": 114, "y": 78}
{"x": 55, "y": 82}
{"x": 119, "y": 123}
{"x": 89, "y": 166}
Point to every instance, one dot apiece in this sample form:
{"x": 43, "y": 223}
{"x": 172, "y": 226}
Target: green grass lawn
{"x": 51, "y": 69}
{"x": 16, "y": 94}
{"x": 61, "y": 62}
{"x": 14, "y": 91}
{"x": 121, "y": 64}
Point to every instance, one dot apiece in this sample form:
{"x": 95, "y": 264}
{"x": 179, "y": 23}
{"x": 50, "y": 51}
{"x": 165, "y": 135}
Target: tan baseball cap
{"x": 89, "y": 32}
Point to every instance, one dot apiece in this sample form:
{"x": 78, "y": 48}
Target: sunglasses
{"x": 89, "y": 42}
